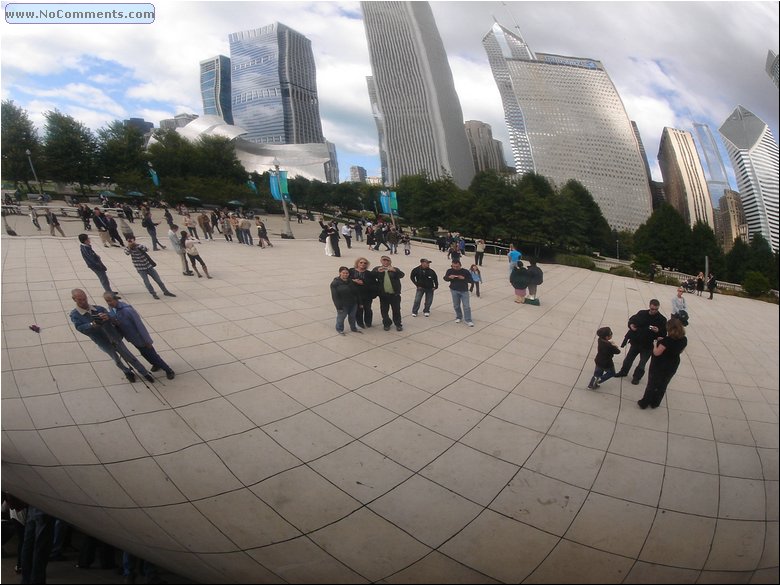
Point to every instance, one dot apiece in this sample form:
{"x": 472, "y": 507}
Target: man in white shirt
{"x": 346, "y": 232}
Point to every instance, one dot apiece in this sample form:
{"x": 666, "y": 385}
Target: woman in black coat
{"x": 345, "y": 298}
{"x": 366, "y": 287}
{"x": 664, "y": 363}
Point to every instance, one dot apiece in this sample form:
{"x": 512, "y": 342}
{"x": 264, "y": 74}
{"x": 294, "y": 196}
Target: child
{"x": 189, "y": 246}
{"x": 605, "y": 367}
{"x": 476, "y": 277}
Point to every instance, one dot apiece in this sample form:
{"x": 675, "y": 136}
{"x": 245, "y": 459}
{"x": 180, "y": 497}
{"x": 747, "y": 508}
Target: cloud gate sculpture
{"x": 284, "y": 453}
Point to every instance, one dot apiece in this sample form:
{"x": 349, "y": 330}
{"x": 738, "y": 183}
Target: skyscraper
{"x": 731, "y": 222}
{"x": 684, "y": 183}
{"x": 754, "y": 156}
{"x": 274, "y": 86}
{"x": 567, "y": 121}
{"x": 357, "y": 174}
{"x": 413, "y": 95}
{"x": 215, "y": 87}
{"x": 711, "y": 161}
{"x": 772, "y": 67}
{"x": 486, "y": 152}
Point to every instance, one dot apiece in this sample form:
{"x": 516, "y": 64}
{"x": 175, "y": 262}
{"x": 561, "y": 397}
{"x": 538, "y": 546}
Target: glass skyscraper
{"x": 274, "y": 85}
{"x": 754, "y": 156}
{"x": 711, "y": 161}
{"x": 412, "y": 94}
{"x": 215, "y": 87}
{"x": 567, "y": 121}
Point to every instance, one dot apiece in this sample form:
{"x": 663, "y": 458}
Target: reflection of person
{"x": 460, "y": 279}
{"x": 679, "y": 307}
{"x": 343, "y": 291}
{"x": 479, "y": 252}
{"x": 519, "y": 281}
{"x": 535, "y": 278}
{"x": 514, "y": 255}
{"x": 389, "y": 285}
{"x": 38, "y": 540}
{"x": 145, "y": 266}
{"x": 176, "y": 244}
{"x": 192, "y": 253}
{"x": 699, "y": 284}
{"x": 711, "y": 284}
{"x": 663, "y": 366}
{"x": 54, "y": 223}
{"x": 645, "y": 326}
{"x": 93, "y": 261}
{"x": 426, "y": 281}
{"x": 605, "y": 367}
{"x": 366, "y": 291}
{"x": 93, "y": 321}
{"x": 132, "y": 328}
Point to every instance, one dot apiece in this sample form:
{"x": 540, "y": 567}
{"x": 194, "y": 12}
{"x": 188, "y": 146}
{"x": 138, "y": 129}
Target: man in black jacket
{"x": 388, "y": 279}
{"x": 93, "y": 262}
{"x": 644, "y": 327}
{"x": 426, "y": 281}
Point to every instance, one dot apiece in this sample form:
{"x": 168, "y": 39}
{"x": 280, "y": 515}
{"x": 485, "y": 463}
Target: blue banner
{"x": 384, "y": 201}
{"x": 251, "y": 185}
{"x": 155, "y": 178}
{"x": 283, "y": 186}
{"x": 275, "y": 192}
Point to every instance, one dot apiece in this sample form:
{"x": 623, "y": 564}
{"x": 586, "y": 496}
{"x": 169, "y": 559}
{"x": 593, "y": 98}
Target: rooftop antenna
{"x": 512, "y": 16}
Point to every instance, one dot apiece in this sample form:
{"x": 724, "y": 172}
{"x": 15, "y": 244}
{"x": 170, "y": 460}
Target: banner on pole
{"x": 283, "y": 186}
{"x": 393, "y": 201}
{"x": 275, "y": 192}
{"x": 155, "y": 178}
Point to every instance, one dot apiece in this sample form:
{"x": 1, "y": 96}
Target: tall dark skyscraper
{"x": 274, "y": 86}
{"x": 215, "y": 87}
{"x": 413, "y": 97}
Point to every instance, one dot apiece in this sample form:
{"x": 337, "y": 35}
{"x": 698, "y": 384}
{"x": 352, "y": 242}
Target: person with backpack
{"x": 535, "y": 278}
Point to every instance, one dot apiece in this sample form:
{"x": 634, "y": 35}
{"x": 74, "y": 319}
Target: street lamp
{"x": 287, "y": 233}
{"x": 29, "y": 158}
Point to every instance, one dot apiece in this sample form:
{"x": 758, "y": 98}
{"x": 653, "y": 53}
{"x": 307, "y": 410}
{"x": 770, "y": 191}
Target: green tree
{"x": 737, "y": 261}
{"x": 597, "y": 233}
{"x": 762, "y": 259}
{"x": 703, "y": 243}
{"x": 622, "y": 244}
{"x": 120, "y": 153}
{"x": 566, "y": 222}
{"x": 18, "y": 136}
{"x": 665, "y": 236}
{"x": 69, "y": 150}
{"x": 755, "y": 283}
{"x": 492, "y": 195}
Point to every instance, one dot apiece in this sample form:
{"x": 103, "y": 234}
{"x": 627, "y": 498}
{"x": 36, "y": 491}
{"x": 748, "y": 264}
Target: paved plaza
{"x": 283, "y": 452}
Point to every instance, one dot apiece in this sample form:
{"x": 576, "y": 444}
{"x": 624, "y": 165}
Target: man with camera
{"x": 644, "y": 327}
{"x": 94, "y": 322}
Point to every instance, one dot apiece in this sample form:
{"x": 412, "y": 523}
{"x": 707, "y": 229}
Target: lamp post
{"x": 287, "y": 233}
{"x": 29, "y": 158}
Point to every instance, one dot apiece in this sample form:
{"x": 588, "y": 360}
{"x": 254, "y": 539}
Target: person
{"x": 535, "y": 278}
{"x": 479, "y": 252}
{"x": 192, "y": 252}
{"x": 453, "y": 253}
{"x": 262, "y": 234}
{"x": 333, "y": 238}
{"x": 392, "y": 240}
{"x": 85, "y": 213}
{"x": 370, "y": 237}
{"x": 519, "y": 281}
{"x": 190, "y": 224}
{"x": 699, "y": 284}
{"x": 34, "y": 217}
{"x": 651, "y": 272}
{"x": 145, "y": 266}
{"x": 54, "y": 223}
{"x": 127, "y": 211}
{"x": 93, "y": 321}
{"x": 407, "y": 242}
{"x": 151, "y": 228}
{"x": 460, "y": 279}
{"x": 299, "y": 217}
{"x": 476, "y": 278}
{"x": 359, "y": 231}
{"x": 17, "y": 515}
{"x": 205, "y": 225}
{"x": 343, "y": 291}
{"x": 514, "y": 255}
{"x": 605, "y": 366}
{"x": 346, "y": 233}
{"x": 168, "y": 216}
{"x": 664, "y": 364}
{"x": 93, "y": 262}
{"x": 645, "y": 326}
{"x": 679, "y": 307}
{"x": 388, "y": 279}
{"x": 132, "y": 328}
{"x": 711, "y": 284}
{"x": 366, "y": 291}
{"x": 38, "y": 539}
{"x": 215, "y": 221}
{"x": 101, "y": 223}
{"x": 176, "y": 244}
{"x": 426, "y": 281}
{"x": 113, "y": 230}
{"x": 246, "y": 231}
{"x": 227, "y": 228}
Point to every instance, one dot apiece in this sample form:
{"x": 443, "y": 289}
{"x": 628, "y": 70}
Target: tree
{"x": 762, "y": 260}
{"x": 120, "y": 153}
{"x": 737, "y": 261}
{"x": 665, "y": 236}
{"x": 755, "y": 284}
{"x": 703, "y": 243}
{"x": 597, "y": 234}
{"x": 18, "y": 136}
{"x": 69, "y": 150}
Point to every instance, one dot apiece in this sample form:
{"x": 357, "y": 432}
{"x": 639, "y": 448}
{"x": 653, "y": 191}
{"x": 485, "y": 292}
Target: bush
{"x": 670, "y": 280}
{"x": 575, "y": 260}
{"x": 641, "y": 263}
{"x": 622, "y": 271}
{"x": 755, "y": 284}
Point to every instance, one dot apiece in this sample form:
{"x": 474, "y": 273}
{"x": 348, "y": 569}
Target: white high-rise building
{"x": 773, "y": 67}
{"x": 413, "y": 96}
{"x": 685, "y": 185}
{"x": 754, "y": 155}
{"x": 567, "y": 121}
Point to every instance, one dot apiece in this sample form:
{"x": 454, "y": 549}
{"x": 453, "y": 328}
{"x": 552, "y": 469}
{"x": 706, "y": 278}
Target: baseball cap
{"x": 425, "y": 260}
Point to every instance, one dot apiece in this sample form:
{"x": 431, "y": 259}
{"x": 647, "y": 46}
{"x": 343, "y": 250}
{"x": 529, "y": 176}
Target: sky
{"x": 672, "y": 63}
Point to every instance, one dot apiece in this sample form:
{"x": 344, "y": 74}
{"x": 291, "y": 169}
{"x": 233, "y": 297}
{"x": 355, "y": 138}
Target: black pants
{"x": 644, "y": 354}
{"x": 478, "y": 256}
{"x": 365, "y": 314}
{"x": 386, "y": 303}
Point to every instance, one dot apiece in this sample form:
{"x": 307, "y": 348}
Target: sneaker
{"x": 399, "y": 328}
{"x": 155, "y": 368}
{"x": 641, "y": 404}
{"x": 130, "y": 376}
{"x": 470, "y": 323}
{"x": 620, "y": 375}
{"x": 635, "y": 381}
{"x": 414, "y": 314}
{"x": 457, "y": 320}
{"x": 427, "y": 314}
{"x": 150, "y": 378}
{"x": 169, "y": 294}
{"x": 170, "y": 375}
{"x": 387, "y": 327}
{"x": 188, "y": 273}
{"x": 154, "y": 296}
{"x": 356, "y": 331}
{"x": 341, "y": 333}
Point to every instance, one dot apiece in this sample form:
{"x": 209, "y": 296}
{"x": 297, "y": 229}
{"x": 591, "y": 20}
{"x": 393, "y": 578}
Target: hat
{"x": 424, "y": 260}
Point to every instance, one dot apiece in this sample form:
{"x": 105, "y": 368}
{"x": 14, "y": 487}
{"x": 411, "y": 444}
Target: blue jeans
{"x": 145, "y": 274}
{"x": 603, "y": 375}
{"x": 103, "y": 278}
{"x": 38, "y": 537}
{"x": 346, "y": 313}
{"x": 461, "y": 297}
{"x": 428, "y": 292}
